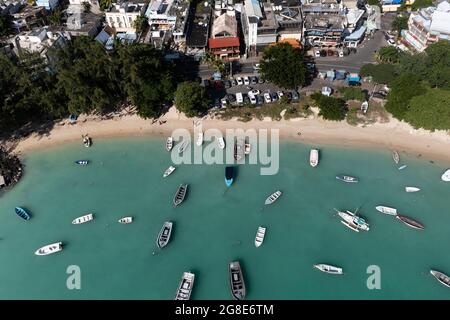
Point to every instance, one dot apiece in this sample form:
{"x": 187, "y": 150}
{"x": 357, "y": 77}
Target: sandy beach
{"x": 391, "y": 135}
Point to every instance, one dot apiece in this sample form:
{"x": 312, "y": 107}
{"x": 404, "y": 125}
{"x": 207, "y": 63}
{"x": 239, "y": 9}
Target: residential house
{"x": 224, "y": 41}
{"x": 427, "y": 26}
{"x": 47, "y": 4}
{"x": 28, "y": 18}
{"x": 80, "y": 23}
{"x": 95, "y": 6}
{"x": 106, "y": 37}
{"x": 121, "y": 16}
{"x": 288, "y": 15}
{"x": 197, "y": 31}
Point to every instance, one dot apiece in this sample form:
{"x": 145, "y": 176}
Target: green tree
{"x": 399, "y": 23}
{"x": 421, "y": 4}
{"x": 104, "y": 4}
{"x": 330, "y": 108}
{"x": 55, "y": 18}
{"x": 381, "y": 73}
{"x": 353, "y": 93}
{"x": 5, "y": 22}
{"x": 284, "y": 65}
{"x": 388, "y": 54}
{"x": 217, "y": 64}
{"x": 374, "y": 3}
{"x": 140, "y": 22}
{"x": 191, "y": 98}
{"x": 86, "y": 6}
{"x": 403, "y": 88}
{"x": 430, "y": 111}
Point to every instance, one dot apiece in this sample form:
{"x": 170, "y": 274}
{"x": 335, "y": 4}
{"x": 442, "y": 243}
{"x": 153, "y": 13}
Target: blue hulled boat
{"x": 22, "y": 213}
{"x": 229, "y": 174}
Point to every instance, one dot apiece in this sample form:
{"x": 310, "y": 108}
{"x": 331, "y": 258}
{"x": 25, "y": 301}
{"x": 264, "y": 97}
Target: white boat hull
{"x": 49, "y": 249}
{"x": 387, "y": 210}
{"x": 126, "y": 220}
{"x": 412, "y": 189}
{"x": 314, "y": 158}
{"x": 221, "y": 143}
{"x": 260, "y": 234}
{"x": 83, "y": 219}
{"x": 199, "y": 139}
{"x": 169, "y": 171}
{"x": 446, "y": 176}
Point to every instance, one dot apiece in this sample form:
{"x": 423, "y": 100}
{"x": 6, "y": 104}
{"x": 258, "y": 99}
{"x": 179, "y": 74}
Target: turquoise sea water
{"x": 212, "y": 228}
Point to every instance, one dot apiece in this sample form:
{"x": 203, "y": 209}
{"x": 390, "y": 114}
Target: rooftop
{"x": 130, "y": 6}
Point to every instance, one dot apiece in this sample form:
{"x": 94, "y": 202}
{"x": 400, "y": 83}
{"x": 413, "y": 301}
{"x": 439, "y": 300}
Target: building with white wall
{"x": 121, "y": 16}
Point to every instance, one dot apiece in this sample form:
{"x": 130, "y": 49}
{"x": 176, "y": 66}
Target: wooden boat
{"x": 185, "y": 287}
{"x": 164, "y": 234}
{"x": 236, "y": 281}
{"x": 229, "y": 175}
{"x": 180, "y": 194}
{"x": 87, "y": 141}
{"x": 395, "y": 157}
{"x": 412, "y": 189}
{"x": 169, "y": 171}
{"x": 328, "y": 268}
{"x": 199, "y": 141}
{"x": 348, "y": 179}
{"x": 364, "y": 107}
{"x": 83, "y": 219}
{"x": 402, "y": 167}
{"x": 183, "y": 146}
{"x": 49, "y": 249}
{"x": 169, "y": 144}
{"x": 387, "y": 210}
{"x": 410, "y": 222}
{"x": 247, "y": 148}
{"x": 441, "y": 277}
{"x": 239, "y": 151}
{"x": 260, "y": 234}
{"x": 126, "y": 220}
{"x": 314, "y": 158}
{"x": 82, "y": 162}
{"x": 273, "y": 197}
{"x": 221, "y": 143}
{"x": 446, "y": 176}
{"x": 21, "y": 212}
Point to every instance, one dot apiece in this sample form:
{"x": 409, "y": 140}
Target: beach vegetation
{"x": 284, "y": 65}
{"x": 331, "y": 108}
{"x": 191, "y": 99}
{"x": 352, "y": 93}
{"x": 10, "y": 167}
{"x": 381, "y": 73}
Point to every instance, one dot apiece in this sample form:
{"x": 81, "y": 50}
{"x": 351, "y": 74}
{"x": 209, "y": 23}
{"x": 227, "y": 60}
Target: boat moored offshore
{"x": 441, "y": 277}
{"x": 125, "y": 220}
{"x": 164, "y": 234}
{"x": 169, "y": 144}
{"x": 49, "y": 249}
{"x": 412, "y": 189}
{"x": 179, "y": 196}
{"x": 395, "y": 157}
{"x": 353, "y": 221}
{"x": 314, "y": 157}
{"x": 348, "y": 179}
{"x": 237, "y": 284}
{"x": 169, "y": 171}
{"x": 387, "y": 210}
{"x": 328, "y": 268}
{"x": 260, "y": 234}
{"x": 185, "y": 287}
{"x": 83, "y": 219}
{"x": 229, "y": 175}
{"x": 21, "y": 212}
{"x": 82, "y": 162}
{"x": 273, "y": 197}
{"x": 446, "y": 176}
{"x": 410, "y": 222}
{"x": 221, "y": 142}
{"x": 183, "y": 146}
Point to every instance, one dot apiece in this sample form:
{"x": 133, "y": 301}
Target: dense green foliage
{"x": 381, "y": 73}
{"x": 421, "y": 4}
{"x": 330, "y": 108}
{"x": 400, "y": 22}
{"x": 284, "y": 65}
{"x": 85, "y": 78}
{"x": 191, "y": 98}
{"x": 353, "y": 93}
{"x": 4, "y": 25}
{"x": 389, "y": 54}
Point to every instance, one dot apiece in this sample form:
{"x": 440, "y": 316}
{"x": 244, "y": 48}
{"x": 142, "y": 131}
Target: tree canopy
{"x": 399, "y": 23}
{"x": 284, "y": 65}
{"x": 330, "y": 108}
{"x": 381, "y": 73}
{"x": 191, "y": 98}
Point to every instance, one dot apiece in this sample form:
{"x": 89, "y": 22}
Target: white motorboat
{"x": 387, "y": 210}
{"x": 328, "y": 268}
{"x": 169, "y": 171}
{"x": 412, "y": 189}
{"x": 314, "y": 157}
{"x": 221, "y": 142}
{"x": 364, "y": 107}
{"x": 260, "y": 234}
{"x": 395, "y": 157}
{"x": 247, "y": 148}
{"x": 49, "y": 249}
{"x": 183, "y": 146}
{"x": 273, "y": 197}
{"x": 446, "y": 176}
{"x": 353, "y": 221}
{"x": 83, "y": 219}
{"x": 126, "y": 220}
{"x": 199, "y": 141}
{"x": 169, "y": 144}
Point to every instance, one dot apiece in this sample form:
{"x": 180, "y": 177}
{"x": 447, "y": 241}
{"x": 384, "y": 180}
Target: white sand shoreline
{"x": 392, "y": 135}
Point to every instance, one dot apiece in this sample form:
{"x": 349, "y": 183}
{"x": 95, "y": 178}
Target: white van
{"x": 239, "y": 98}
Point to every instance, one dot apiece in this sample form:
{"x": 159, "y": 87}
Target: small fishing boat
{"x": 402, "y": 167}
{"x": 229, "y": 175}
{"x": 348, "y": 179}
{"x": 412, "y": 189}
{"x": 82, "y": 162}
{"x": 260, "y": 234}
{"x": 126, "y": 220}
{"x": 314, "y": 158}
{"x": 273, "y": 197}
{"x": 395, "y": 157}
{"x": 169, "y": 144}
{"x": 328, "y": 268}
{"x": 180, "y": 194}
{"x": 353, "y": 221}
{"x": 49, "y": 249}
{"x": 169, "y": 171}
{"x": 164, "y": 234}
{"x": 185, "y": 287}
{"x": 221, "y": 142}
{"x": 441, "y": 277}
{"x": 364, "y": 107}
{"x": 183, "y": 146}
{"x": 83, "y": 219}
{"x": 239, "y": 151}
{"x": 87, "y": 141}
{"x": 247, "y": 148}
{"x": 446, "y": 176}
{"x": 199, "y": 141}
{"x": 21, "y": 212}
{"x": 410, "y": 222}
{"x": 236, "y": 281}
{"x": 387, "y": 210}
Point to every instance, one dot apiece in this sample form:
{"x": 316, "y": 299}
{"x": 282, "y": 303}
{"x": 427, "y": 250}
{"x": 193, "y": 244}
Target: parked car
{"x": 354, "y": 83}
{"x": 246, "y": 81}
{"x": 261, "y": 80}
{"x": 253, "y": 80}
{"x": 227, "y": 84}
{"x": 280, "y": 93}
{"x": 274, "y": 96}
{"x": 233, "y": 82}
{"x": 295, "y": 95}
{"x": 252, "y": 99}
{"x": 288, "y": 96}
{"x": 239, "y": 81}
{"x": 256, "y": 66}
{"x": 259, "y": 99}
{"x": 267, "y": 98}
{"x": 224, "y": 102}
{"x": 231, "y": 98}
{"x": 326, "y": 91}
{"x": 391, "y": 41}
{"x": 254, "y": 92}
{"x": 317, "y": 54}
{"x": 379, "y": 95}
{"x": 239, "y": 98}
